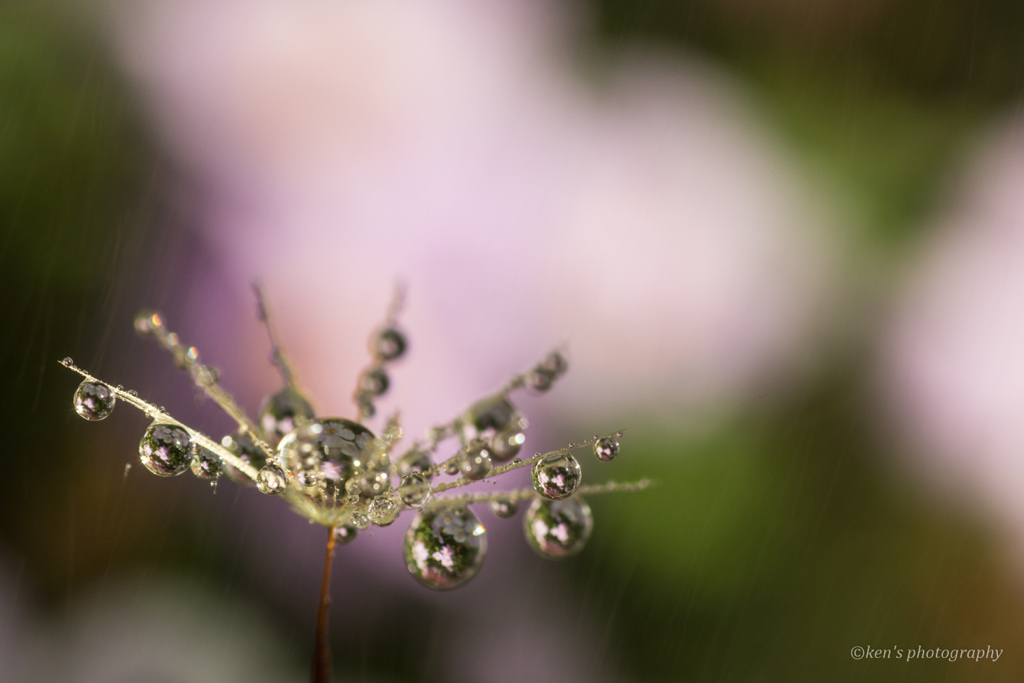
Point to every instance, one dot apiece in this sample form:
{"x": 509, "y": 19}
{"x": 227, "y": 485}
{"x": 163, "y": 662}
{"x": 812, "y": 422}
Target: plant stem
{"x": 322, "y": 648}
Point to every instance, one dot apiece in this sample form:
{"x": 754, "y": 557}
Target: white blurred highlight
{"x": 954, "y": 356}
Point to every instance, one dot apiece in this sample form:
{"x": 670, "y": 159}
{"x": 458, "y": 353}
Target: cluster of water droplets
{"x": 346, "y": 470}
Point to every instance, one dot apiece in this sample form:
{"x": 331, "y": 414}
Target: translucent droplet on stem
{"x": 606, "y": 449}
{"x": 556, "y": 476}
{"x": 93, "y": 400}
{"x": 558, "y": 528}
{"x": 166, "y": 450}
{"x": 383, "y": 510}
{"x": 388, "y": 344}
{"x": 281, "y": 411}
{"x": 271, "y": 480}
{"x": 504, "y": 508}
{"x": 476, "y": 464}
{"x": 444, "y": 549}
{"x": 345, "y": 534}
{"x": 205, "y": 463}
{"x": 414, "y": 489}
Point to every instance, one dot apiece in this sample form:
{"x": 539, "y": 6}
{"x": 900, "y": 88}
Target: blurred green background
{"x": 788, "y": 534}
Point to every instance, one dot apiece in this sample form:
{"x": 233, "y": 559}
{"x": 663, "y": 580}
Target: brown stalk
{"x": 322, "y": 647}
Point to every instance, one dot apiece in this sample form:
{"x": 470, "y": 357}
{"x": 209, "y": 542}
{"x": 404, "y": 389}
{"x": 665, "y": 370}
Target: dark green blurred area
{"x": 776, "y": 541}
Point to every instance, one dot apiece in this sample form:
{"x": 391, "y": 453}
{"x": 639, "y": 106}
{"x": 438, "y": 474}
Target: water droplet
{"x": 558, "y": 528}
{"x": 556, "y": 476}
{"x": 166, "y": 449}
{"x": 452, "y": 467}
{"x": 492, "y": 413}
{"x": 359, "y": 520}
{"x": 133, "y": 393}
{"x": 444, "y": 549}
{"x": 365, "y": 406}
{"x": 383, "y": 510}
{"x": 146, "y": 321}
{"x": 353, "y": 487}
{"x": 280, "y": 411}
{"x": 67, "y": 362}
{"x": 517, "y": 461}
{"x": 476, "y": 464}
{"x": 330, "y": 447}
{"x": 205, "y": 463}
{"x": 93, "y": 401}
{"x": 540, "y": 379}
{"x": 373, "y": 483}
{"x": 374, "y": 382}
{"x": 414, "y": 461}
{"x": 555, "y": 363}
{"x": 504, "y": 508}
{"x": 506, "y": 443}
{"x": 344, "y": 534}
{"x": 606, "y": 449}
{"x": 271, "y": 480}
{"x": 414, "y": 489}
{"x": 213, "y": 486}
{"x": 388, "y": 344}
{"x": 241, "y": 446}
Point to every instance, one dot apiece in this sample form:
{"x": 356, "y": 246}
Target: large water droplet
{"x": 383, "y": 510}
{"x": 476, "y": 464}
{"x": 504, "y": 508}
{"x": 205, "y": 463}
{"x": 329, "y": 449}
{"x": 414, "y": 489}
{"x": 280, "y": 411}
{"x": 271, "y": 480}
{"x": 388, "y": 344}
{"x": 606, "y": 449}
{"x": 556, "y": 476}
{"x": 242, "y": 446}
{"x": 94, "y": 401}
{"x": 444, "y": 549}
{"x": 558, "y": 528}
{"x": 166, "y": 450}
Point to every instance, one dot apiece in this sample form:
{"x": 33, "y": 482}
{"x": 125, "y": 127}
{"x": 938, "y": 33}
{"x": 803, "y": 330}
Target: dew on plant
{"x": 93, "y": 401}
{"x": 557, "y": 476}
{"x": 445, "y": 549}
{"x": 558, "y": 528}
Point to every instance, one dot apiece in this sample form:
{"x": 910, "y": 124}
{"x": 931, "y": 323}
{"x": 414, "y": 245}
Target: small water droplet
{"x": 374, "y": 382}
{"x": 166, "y": 450}
{"x": 476, "y": 464}
{"x": 606, "y": 449}
{"x": 93, "y": 401}
{"x": 344, "y": 534}
{"x": 555, "y": 363}
{"x": 414, "y": 460}
{"x": 213, "y": 485}
{"x": 452, "y": 467}
{"x": 414, "y": 489}
{"x": 133, "y": 393}
{"x": 504, "y": 508}
{"x": 146, "y": 321}
{"x": 556, "y": 476}
{"x": 492, "y": 413}
{"x": 388, "y": 344}
{"x": 558, "y": 528}
{"x": 506, "y": 443}
{"x": 540, "y": 379}
{"x": 444, "y": 549}
{"x": 127, "y": 469}
{"x": 383, "y": 510}
{"x": 359, "y": 520}
{"x": 67, "y": 362}
{"x": 205, "y": 463}
{"x": 271, "y": 480}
